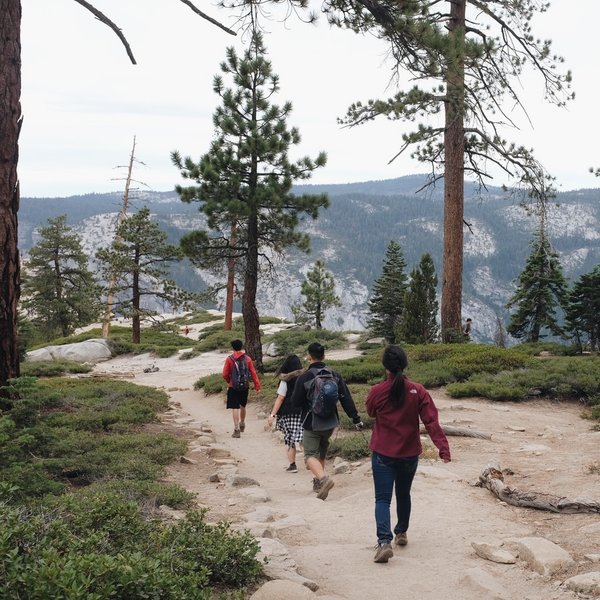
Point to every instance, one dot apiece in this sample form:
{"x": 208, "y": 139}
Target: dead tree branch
{"x": 493, "y": 479}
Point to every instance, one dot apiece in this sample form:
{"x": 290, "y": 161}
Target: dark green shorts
{"x": 316, "y": 443}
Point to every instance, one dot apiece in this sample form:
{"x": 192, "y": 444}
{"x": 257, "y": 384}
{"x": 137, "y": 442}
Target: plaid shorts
{"x": 291, "y": 427}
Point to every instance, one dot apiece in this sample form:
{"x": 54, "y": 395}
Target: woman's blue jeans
{"x": 387, "y": 473}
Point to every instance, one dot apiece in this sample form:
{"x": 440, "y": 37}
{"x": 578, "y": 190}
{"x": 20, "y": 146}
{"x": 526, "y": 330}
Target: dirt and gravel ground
{"x": 548, "y": 446}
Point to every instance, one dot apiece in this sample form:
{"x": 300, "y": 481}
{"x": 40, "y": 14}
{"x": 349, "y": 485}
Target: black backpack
{"x": 240, "y": 375}
{"x": 323, "y": 393}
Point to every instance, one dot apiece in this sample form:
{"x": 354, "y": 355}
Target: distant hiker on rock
{"x": 467, "y": 329}
{"x": 397, "y": 404}
{"x": 316, "y": 393}
{"x": 289, "y": 419}
{"x": 237, "y": 372}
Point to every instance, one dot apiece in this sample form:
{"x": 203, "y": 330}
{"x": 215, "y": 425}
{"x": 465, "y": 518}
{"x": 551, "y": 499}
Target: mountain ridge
{"x": 352, "y": 234}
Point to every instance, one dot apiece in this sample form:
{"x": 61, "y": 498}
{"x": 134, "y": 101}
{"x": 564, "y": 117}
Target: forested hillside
{"x": 352, "y": 235}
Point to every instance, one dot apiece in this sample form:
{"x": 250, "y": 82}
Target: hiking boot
{"x": 401, "y": 539}
{"x": 236, "y": 433}
{"x": 292, "y": 468}
{"x": 316, "y": 484}
{"x": 383, "y": 553}
{"x": 325, "y": 485}
{"x": 242, "y": 426}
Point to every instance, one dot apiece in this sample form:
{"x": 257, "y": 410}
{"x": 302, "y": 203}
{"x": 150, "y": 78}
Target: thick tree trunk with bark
{"x": 454, "y": 175}
{"x": 253, "y": 343}
{"x": 10, "y": 125}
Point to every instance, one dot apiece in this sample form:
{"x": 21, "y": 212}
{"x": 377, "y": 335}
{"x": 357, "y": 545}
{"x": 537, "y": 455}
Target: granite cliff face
{"x": 352, "y": 235}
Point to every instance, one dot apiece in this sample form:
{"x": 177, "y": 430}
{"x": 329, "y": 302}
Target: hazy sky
{"x": 83, "y": 101}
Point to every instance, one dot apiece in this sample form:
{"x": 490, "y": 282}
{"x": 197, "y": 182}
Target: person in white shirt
{"x": 288, "y": 418}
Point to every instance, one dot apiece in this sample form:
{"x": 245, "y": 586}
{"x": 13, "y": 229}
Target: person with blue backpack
{"x": 238, "y": 370}
{"x": 317, "y": 393}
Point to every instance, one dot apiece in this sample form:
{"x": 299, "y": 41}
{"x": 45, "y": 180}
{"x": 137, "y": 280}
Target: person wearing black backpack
{"x": 237, "y": 372}
{"x": 316, "y": 394}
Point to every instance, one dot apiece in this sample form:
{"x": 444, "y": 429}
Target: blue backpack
{"x": 323, "y": 393}
{"x": 240, "y": 375}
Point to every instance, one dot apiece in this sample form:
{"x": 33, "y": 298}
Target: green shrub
{"x": 211, "y": 384}
{"x": 555, "y": 348}
{"x": 352, "y": 446}
{"x": 216, "y": 340}
{"x": 52, "y": 368}
{"x": 166, "y": 351}
{"x": 149, "y": 494}
{"x": 560, "y": 377}
{"x": 296, "y": 341}
{"x": 95, "y": 548}
{"x": 228, "y": 556}
{"x": 79, "y": 431}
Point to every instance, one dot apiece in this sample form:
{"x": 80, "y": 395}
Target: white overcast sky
{"x": 83, "y": 101}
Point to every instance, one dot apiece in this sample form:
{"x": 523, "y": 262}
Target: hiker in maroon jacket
{"x": 238, "y": 398}
{"x": 397, "y": 404}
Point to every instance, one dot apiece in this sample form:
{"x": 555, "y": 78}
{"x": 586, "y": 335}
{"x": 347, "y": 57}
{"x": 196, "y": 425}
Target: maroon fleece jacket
{"x": 396, "y": 429}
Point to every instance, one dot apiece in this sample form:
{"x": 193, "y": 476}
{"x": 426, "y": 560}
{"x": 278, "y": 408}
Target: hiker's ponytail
{"x": 395, "y": 361}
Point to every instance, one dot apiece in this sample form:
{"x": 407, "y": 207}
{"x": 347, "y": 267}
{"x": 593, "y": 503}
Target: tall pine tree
{"x": 319, "y": 294}
{"x": 386, "y": 305}
{"x": 540, "y": 293}
{"x": 419, "y": 325}
{"x": 583, "y": 309}
{"x": 467, "y": 57}
{"x": 138, "y": 259}
{"x": 245, "y": 179}
{"x": 59, "y": 290}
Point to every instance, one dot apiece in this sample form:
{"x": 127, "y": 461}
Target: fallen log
{"x": 492, "y": 478}
{"x": 461, "y": 431}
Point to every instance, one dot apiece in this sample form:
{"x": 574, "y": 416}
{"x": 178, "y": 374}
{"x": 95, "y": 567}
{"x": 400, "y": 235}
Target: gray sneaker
{"x": 316, "y": 484}
{"x": 236, "y": 433}
{"x": 383, "y": 553}
{"x": 325, "y": 485}
{"x": 401, "y": 539}
{"x": 242, "y": 426}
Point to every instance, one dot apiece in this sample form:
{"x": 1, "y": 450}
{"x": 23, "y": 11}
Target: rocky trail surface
{"x": 464, "y": 543}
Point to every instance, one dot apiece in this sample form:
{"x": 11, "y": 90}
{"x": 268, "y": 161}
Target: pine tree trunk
{"x": 136, "y": 336}
{"x": 253, "y": 344}
{"x": 454, "y": 175}
{"x": 230, "y": 280}
{"x": 10, "y": 125}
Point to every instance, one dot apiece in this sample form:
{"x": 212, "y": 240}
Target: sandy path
{"x": 547, "y": 445}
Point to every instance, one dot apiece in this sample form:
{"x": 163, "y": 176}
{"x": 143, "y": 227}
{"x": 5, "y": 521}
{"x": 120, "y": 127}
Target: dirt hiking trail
{"x": 547, "y": 446}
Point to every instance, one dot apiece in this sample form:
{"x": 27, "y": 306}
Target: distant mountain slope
{"x": 352, "y": 235}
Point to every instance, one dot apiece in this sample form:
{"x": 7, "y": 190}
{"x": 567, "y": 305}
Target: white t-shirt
{"x": 282, "y": 389}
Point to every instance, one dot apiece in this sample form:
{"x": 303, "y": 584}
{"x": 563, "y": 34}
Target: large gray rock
{"x": 82, "y": 352}
{"x": 586, "y": 583}
{"x": 280, "y": 565}
{"x": 543, "y": 556}
{"x": 281, "y": 589}
{"x": 493, "y": 553}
